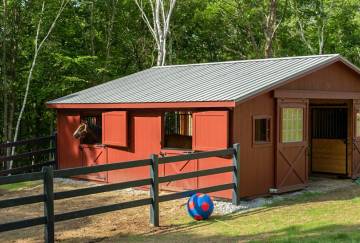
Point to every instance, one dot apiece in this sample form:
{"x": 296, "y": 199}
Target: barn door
{"x": 291, "y": 157}
{"x": 210, "y": 130}
{"x": 180, "y": 168}
{"x": 356, "y": 140}
{"x": 91, "y": 156}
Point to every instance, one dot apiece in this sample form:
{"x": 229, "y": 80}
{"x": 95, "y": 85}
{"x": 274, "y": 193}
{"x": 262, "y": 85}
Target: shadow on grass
{"x": 201, "y": 231}
{"x": 329, "y": 233}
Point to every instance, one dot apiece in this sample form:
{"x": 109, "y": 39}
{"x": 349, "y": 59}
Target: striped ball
{"x": 200, "y": 206}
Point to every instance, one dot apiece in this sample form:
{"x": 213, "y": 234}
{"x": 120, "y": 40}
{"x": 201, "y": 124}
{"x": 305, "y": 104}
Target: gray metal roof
{"x": 221, "y": 81}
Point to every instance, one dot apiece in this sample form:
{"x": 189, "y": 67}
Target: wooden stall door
{"x": 211, "y": 132}
{"x": 179, "y": 168}
{"x": 356, "y": 140}
{"x": 291, "y": 172}
{"x": 92, "y": 156}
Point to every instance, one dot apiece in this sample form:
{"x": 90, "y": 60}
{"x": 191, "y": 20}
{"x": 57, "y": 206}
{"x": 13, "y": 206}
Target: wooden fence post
{"x": 236, "y": 174}
{"x": 55, "y": 152}
{"x": 154, "y": 191}
{"x": 49, "y": 203}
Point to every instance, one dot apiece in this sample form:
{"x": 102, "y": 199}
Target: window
{"x": 261, "y": 130}
{"x": 178, "y": 130}
{"x": 357, "y": 124}
{"x": 92, "y": 129}
{"x": 292, "y": 125}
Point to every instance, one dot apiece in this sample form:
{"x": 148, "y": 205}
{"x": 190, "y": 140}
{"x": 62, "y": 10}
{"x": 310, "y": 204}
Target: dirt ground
{"x": 102, "y": 227}
{"x": 118, "y": 226}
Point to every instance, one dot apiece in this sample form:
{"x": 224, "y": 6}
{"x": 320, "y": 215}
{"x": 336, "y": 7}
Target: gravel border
{"x": 316, "y": 185}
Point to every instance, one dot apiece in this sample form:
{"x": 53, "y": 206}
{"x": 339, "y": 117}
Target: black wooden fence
{"x": 47, "y": 174}
{"x": 45, "y": 153}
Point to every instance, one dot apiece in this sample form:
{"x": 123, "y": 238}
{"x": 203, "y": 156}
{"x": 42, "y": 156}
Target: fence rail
{"x": 49, "y": 196}
{"x": 51, "y": 151}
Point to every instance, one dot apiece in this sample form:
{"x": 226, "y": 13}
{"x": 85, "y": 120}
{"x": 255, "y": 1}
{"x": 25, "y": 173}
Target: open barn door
{"x": 210, "y": 130}
{"x": 356, "y": 140}
{"x": 291, "y": 156}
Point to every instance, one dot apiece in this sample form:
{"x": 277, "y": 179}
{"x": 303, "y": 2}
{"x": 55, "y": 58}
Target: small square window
{"x": 262, "y": 130}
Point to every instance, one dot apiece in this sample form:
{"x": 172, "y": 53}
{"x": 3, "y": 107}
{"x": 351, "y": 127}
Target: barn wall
{"x": 68, "y": 147}
{"x": 257, "y": 161}
{"x": 335, "y": 77}
{"x": 144, "y": 138}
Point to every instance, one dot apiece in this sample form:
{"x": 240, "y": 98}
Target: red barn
{"x": 292, "y": 116}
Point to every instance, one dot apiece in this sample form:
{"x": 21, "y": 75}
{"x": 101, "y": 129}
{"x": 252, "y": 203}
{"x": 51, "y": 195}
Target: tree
{"x": 38, "y": 46}
{"x": 160, "y": 25}
{"x": 312, "y": 15}
{"x": 272, "y": 24}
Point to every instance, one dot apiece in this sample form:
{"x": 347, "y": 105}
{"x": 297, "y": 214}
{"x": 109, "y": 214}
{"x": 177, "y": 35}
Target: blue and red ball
{"x": 200, "y": 206}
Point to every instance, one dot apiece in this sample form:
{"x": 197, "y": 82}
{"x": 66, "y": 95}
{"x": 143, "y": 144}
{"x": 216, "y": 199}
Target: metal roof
{"x": 220, "y": 81}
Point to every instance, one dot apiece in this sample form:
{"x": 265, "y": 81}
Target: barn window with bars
{"x": 93, "y": 133}
{"x": 178, "y": 130}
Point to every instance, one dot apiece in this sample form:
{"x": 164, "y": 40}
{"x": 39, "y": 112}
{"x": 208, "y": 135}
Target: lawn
{"x": 18, "y": 186}
{"x": 311, "y": 217}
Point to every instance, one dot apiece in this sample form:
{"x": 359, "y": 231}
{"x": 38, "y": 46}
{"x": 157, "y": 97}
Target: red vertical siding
{"x": 256, "y": 161}
{"x": 115, "y": 128}
{"x": 177, "y": 168}
{"x": 144, "y": 140}
{"x": 68, "y": 147}
{"x": 94, "y": 155}
{"x": 210, "y": 130}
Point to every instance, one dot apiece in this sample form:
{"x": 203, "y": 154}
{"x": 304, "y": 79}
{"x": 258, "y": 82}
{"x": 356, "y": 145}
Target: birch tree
{"x": 39, "y": 43}
{"x": 158, "y": 24}
{"x": 272, "y": 23}
{"x": 313, "y": 16}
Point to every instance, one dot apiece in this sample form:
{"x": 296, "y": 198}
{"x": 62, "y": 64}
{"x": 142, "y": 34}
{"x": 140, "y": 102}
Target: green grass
{"x": 17, "y": 186}
{"x": 309, "y": 217}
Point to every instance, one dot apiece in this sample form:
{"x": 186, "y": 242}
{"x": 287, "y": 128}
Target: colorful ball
{"x": 200, "y": 206}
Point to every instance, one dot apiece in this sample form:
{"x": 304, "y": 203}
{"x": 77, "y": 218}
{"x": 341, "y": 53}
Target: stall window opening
{"x": 92, "y": 129}
{"x": 178, "y": 130}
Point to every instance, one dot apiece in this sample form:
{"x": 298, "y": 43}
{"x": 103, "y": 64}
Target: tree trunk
{"x": 109, "y": 34}
{"x": 270, "y": 29}
{"x": 92, "y": 46}
{"x": 37, "y": 48}
{"x": 4, "y": 73}
{"x": 160, "y": 26}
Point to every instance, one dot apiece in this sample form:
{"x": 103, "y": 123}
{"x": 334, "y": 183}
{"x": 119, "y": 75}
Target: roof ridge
{"x": 248, "y": 60}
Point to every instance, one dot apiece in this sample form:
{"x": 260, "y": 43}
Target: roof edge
{"x": 336, "y": 58}
{"x": 247, "y": 60}
{"x": 145, "y": 105}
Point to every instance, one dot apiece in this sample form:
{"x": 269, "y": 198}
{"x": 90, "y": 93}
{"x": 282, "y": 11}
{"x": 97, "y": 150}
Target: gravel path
{"x": 316, "y": 185}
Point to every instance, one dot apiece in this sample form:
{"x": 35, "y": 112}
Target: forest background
{"x": 94, "y": 41}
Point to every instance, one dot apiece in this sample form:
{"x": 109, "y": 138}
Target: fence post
{"x": 55, "y": 152}
{"x": 154, "y": 191}
{"x": 236, "y": 174}
{"x": 49, "y": 203}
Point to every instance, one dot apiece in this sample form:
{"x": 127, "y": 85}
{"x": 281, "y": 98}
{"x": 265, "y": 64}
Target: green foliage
{"x": 86, "y": 48}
